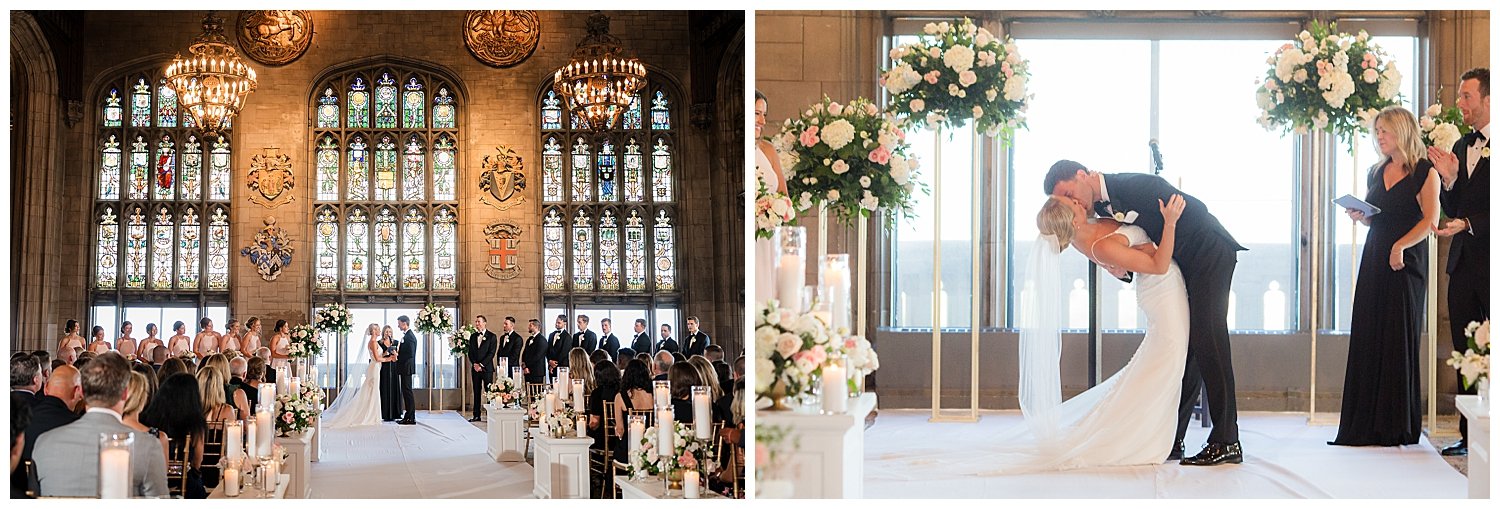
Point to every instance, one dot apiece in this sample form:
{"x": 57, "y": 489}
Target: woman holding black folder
{"x": 1382, "y": 392}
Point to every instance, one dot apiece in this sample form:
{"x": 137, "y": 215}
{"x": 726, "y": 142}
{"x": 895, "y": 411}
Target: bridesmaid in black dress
{"x": 1382, "y": 392}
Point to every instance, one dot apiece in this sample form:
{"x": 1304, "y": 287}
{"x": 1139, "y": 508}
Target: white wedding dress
{"x": 358, "y": 403}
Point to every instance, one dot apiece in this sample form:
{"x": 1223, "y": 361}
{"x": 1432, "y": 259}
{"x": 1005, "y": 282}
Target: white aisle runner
{"x": 442, "y": 456}
{"x": 1285, "y": 458}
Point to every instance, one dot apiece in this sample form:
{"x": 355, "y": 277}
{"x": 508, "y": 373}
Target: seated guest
{"x": 739, "y": 369}
{"x": 606, "y": 386}
{"x": 634, "y": 394}
{"x": 270, "y": 375}
{"x": 716, "y": 396}
{"x": 600, "y": 355}
{"x": 177, "y": 411}
{"x": 683, "y": 377}
{"x": 626, "y": 355}
{"x": 20, "y": 417}
{"x": 83, "y": 358}
{"x": 56, "y": 363}
{"x": 171, "y": 367}
{"x": 216, "y": 408}
{"x": 158, "y": 357}
{"x": 43, "y": 359}
{"x": 663, "y": 364}
{"x": 67, "y": 458}
{"x": 239, "y": 367}
{"x": 150, "y": 375}
{"x": 25, "y": 375}
{"x": 140, "y": 395}
{"x": 255, "y": 372}
{"x": 579, "y": 368}
{"x": 715, "y": 355}
{"x": 54, "y": 408}
{"x": 232, "y": 393}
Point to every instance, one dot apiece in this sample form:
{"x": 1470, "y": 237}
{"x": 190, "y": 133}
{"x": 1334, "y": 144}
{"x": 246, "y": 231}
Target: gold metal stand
{"x": 938, "y": 413}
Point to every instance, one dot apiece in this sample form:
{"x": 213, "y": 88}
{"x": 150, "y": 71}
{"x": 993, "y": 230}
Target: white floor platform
{"x": 442, "y": 456}
{"x": 1286, "y": 458}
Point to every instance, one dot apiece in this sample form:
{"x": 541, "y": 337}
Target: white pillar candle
{"x": 580, "y": 427}
{"x": 690, "y": 484}
{"x": 281, "y": 379}
{"x": 702, "y": 413}
{"x": 232, "y": 482}
{"x": 835, "y": 390}
{"x": 662, "y": 391}
{"x": 266, "y": 430}
{"x": 504, "y": 366}
{"x": 578, "y": 400}
{"x": 836, "y": 279}
{"x": 664, "y": 432}
{"x": 268, "y": 396}
{"x": 550, "y": 404}
{"x": 790, "y": 276}
{"x": 234, "y": 435}
{"x": 114, "y": 473}
{"x": 273, "y": 470}
{"x": 250, "y": 436}
{"x": 295, "y": 388}
{"x": 562, "y": 382}
{"x": 637, "y": 432}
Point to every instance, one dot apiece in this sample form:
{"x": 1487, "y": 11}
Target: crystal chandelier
{"x": 601, "y": 78}
{"x": 212, "y": 83}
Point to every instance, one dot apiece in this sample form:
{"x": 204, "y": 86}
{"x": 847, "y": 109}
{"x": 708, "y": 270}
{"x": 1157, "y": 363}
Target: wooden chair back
{"x": 179, "y": 462}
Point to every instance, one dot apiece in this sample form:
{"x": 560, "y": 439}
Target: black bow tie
{"x": 1479, "y": 137}
{"x": 1101, "y": 208}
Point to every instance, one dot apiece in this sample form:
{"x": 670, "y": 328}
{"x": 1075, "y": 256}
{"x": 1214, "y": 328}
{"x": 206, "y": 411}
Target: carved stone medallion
{"x": 270, "y": 178}
{"x": 503, "y": 239}
{"x": 271, "y": 250}
{"x": 503, "y": 179}
{"x": 276, "y": 37}
{"x": 502, "y": 38}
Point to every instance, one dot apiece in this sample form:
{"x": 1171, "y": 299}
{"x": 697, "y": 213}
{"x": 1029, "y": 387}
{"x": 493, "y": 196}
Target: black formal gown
{"x": 1382, "y": 389}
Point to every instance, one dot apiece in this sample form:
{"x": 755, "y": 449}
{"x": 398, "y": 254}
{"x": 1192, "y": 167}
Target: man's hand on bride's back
{"x": 1171, "y": 211}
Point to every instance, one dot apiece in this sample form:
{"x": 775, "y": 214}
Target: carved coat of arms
{"x": 502, "y": 38}
{"x": 503, "y": 179}
{"x": 276, "y": 37}
{"x": 271, "y": 250}
{"x": 503, "y": 239}
{"x": 271, "y": 178}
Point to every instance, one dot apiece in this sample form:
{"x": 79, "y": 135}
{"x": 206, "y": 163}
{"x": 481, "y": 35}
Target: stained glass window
{"x": 188, "y": 238}
{"x": 173, "y": 233}
{"x": 166, "y": 106}
{"x": 589, "y": 245}
{"x": 327, "y": 249}
{"x": 444, "y": 114}
{"x": 413, "y": 250}
{"x": 109, "y": 170}
{"x": 606, "y": 166}
{"x": 583, "y": 178}
{"x": 190, "y": 179}
{"x": 359, "y": 104}
{"x": 328, "y": 169}
{"x": 413, "y": 170}
{"x": 385, "y": 102}
{"x": 408, "y": 239}
{"x": 165, "y": 168}
{"x": 413, "y": 104}
{"x": 328, "y": 109}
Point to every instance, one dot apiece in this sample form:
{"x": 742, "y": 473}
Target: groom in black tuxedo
{"x": 1206, "y": 253}
{"x": 560, "y": 342}
{"x": 510, "y": 345}
{"x": 534, "y": 353}
{"x": 481, "y": 350}
{"x": 406, "y": 366}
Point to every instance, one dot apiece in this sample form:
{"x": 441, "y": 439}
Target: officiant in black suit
{"x": 1207, "y": 255}
{"x": 510, "y": 345}
{"x": 481, "y": 351}
{"x": 406, "y": 366}
{"x": 534, "y": 353}
{"x": 1465, "y": 198}
{"x": 642, "y": 341}
{"x": 608, "y": 342}
{"x": 697, "y": 340}
{"x": 559, "y": 343}
{"x": 390, "y": 388}
{"x": 585, "y": 338}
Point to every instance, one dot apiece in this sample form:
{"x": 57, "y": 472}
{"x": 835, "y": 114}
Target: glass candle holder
{"x": 833, "y": 282}
{"x": 504, "y": 365}
{"x": 835, "y": 385}
{"x": 791, "y": 266}
{"x": 578, "y": 399}
{"x": 561, "y": 383}
{"x": 661, "y": 391}
{"x": 114, "y": 465}
{"x": 702, "y": 413}
{"x": 636, "y": 427}
{"x": 515, "y": 374}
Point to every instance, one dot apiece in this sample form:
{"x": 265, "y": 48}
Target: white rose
{"x": 788, "y": 344}
{"x": 953, "y": 89}
{"x": 944, "y": 27}
{"x": 1435, "y": 110}
{"x": 871, "y": 110}
{"x": 959, "y": 58}
{"x": 1300, "y": 76}
{"x": 932, "y": 118}
{"x": 833, "y": 195}
{"x": 900, "y": 169}
{"x": 839, "y": 167}
{"x": 930, "y": 28}
{"x": 1482, "y": 335}
{"x": 967, "y": 78}
{"x": 835, "y": 109}
{"x": 1371, "y": 76}
{"x": 869, "y": 202}
{"x": 989, "y": 95}
{"x": 1321, "y": 120}
{"x": 1427, "y": 123}
{"x": 983, "y": 38}
{"x": 917, "y": 105}
{"x": 978, "y": 112}
{"x": 864, "y": 181}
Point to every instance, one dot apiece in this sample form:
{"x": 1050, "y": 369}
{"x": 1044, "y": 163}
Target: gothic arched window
{"x": 608, "y": 210}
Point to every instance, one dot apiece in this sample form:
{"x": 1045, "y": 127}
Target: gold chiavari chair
{"x": 179, "y": 462}
{"x": 213, "y": 451}
{"x": 531, "y": 393}
{"x": 599, "y": 459}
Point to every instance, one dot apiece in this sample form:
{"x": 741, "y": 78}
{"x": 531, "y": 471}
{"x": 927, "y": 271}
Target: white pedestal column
{"x": 298, "y": 464}
{"x": 562, "y": 467}
{"x": 1478, "y": 413}
{"x": 831, "y": 459}
{"x": 507, "y": 434}
{"x": 317, "y": 435}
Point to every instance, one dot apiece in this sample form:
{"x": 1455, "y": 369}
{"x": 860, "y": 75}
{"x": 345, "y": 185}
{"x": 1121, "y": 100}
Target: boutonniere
{"x": 1484, "y": 152}
{"x": 1127, "y": 217}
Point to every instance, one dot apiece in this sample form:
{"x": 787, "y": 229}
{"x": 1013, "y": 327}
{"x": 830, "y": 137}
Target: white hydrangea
{"x": 1445, "y": 135}
{"x": 1288, "y": 63}
{"x": 1337, "y": 86}
{"x": 959, "y": 58}
{"x": 1390, "y": 83}
{"x": 900, "y": 169}
{"x": 869, "y": 202}
{"x": 1015, "y": 89}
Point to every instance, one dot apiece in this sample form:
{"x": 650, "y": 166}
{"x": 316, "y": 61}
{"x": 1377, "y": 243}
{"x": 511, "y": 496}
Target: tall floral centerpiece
{"x": 956, "y": 73}
{"x": 1474, "y": 364}
{"x": 791, "y": 348}
{"x": 688, "y": 453}
{"x": 1442, "y": 126}
{"x": 296, "y": 412}
{"x": 458, "y": 341}
{"x": 305, "y": 343}
{"x": 334, "y": 317}
{"x": 1327, "y": 81}
{"x": 851, "y": 158}
{"x": 434, "y": 318}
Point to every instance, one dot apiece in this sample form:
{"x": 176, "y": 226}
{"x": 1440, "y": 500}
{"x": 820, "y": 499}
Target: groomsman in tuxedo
{"x": 666, "y": 343}
{"x": 510, "y": 344}
{"x": 559, "y": 343}
{"x": 608, "y": 342}
{"x": 534, "y": 353}
{"x": 697, "y": 340}
{"x": 1465, "y": 172}
{"x": 585, "y": 338}
{"x": 406, "y": 366}
{"x": 481, "y": 350}
{"x": 642, "y": 342}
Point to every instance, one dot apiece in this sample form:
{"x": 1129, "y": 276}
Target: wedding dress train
{"x": 358, "y": 403}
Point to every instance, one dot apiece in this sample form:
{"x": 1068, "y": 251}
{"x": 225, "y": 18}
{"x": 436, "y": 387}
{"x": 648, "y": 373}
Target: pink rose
{"x": 932, "y": 77}
{"x": 287, "y": 417}
{"x": 1006, "y": 68}
{"x": 810, "y": 136}
{"x": 687, "y": 460}
{"x": 880, "y": 155}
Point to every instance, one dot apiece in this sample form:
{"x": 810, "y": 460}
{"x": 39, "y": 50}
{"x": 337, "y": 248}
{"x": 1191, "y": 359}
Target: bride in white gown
{"x": 358, "y": 403}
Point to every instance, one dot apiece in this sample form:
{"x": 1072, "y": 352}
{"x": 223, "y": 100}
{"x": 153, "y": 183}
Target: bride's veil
{"x": 353, "y": 383}
{"x": 1040, "y": 322}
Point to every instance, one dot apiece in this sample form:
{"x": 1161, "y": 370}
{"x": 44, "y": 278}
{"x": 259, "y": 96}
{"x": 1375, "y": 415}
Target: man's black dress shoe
{"x": 1216, "y": 454}
{"x": 406, "y": 422}
{"x": 1459, "y": 449}
{"x": 475, "y": 419}
{"x": 1176, "y": 453}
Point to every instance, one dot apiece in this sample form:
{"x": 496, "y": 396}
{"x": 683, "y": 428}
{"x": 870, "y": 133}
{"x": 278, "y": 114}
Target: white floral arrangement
{"x": 958, "y": 72}
{"x": 334, "y": 317}
{"x": 1474, "y": 364}
{"x": 298, "y": 415}
{"x": 1329, "y": 81}
{"x": 503, "y": 392}
{"x": 791, "y": 349}
{"x": 434, "y": 318}
{"x": 851, "y": 158}
{"x": 188, "y": 354}
{"x": 458, "y": 342}
{"x": 1442, "y": 127}
{"x": 562, "y": 422}
{"x": 862, "y": 356}
{"x": 305, "y": 343}
{"x": 772, "y": 209}
{"x": 688, "y": 452}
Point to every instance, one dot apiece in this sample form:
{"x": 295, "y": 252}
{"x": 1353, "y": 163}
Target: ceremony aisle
{"x": 1284, "y": 458}
{"x": 442, "y": 456}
